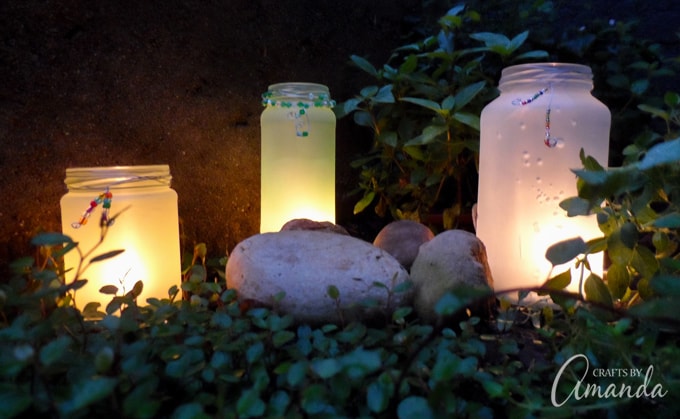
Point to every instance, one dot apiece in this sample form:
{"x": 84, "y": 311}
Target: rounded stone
{"x": 304, "y": 264}
{"x": 307, "y": 224}
{"x": 402, "y": 239}
{"x": 454, "y": 258}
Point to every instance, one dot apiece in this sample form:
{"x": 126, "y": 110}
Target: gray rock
{"x": 303, "y": 264}
{"x": 307, "y": 224}
{"x": 402, "y": 239}
{"x": 452, "y": 259}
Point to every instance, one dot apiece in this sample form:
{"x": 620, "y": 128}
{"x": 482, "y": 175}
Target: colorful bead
{"x": 549, "y": 140}
{"x": 105, "y": 199}
{"x": 523, "y": 102}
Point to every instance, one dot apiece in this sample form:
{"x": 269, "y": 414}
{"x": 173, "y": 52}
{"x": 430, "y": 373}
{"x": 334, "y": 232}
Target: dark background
{"x": 178, "y": 82}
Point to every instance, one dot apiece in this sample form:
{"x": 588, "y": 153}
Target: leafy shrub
{"x": 638, "y": 212}
{"x": 424, "y": 113}
{"x": 185, "y": 358}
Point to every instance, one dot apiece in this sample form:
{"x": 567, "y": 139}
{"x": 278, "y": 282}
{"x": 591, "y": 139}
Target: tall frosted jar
{"x": 146, "y": 227}
{"x": 297, "y": 155}
{"x": 531, "y": 136}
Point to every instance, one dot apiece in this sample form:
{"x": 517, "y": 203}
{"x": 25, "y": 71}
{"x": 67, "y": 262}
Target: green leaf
{"x": 250, "y": 405}
{"x": 55, "y": 350}
{"x": 368, "y": 92}
{"x": 446, "y": 366}
{"x": 429, "y": 134}
{"x": 672, "y": 99}
{"x": 137, "y": 289}
{"x": 401, "y": 313}
{"x": 50, "y": 239}
{"x": 644, "y": 262}
{"x": 666, "y": 285}
{"x": 14, "y": 399}
{"x": 493, "y": 389}
{"x": 361, "y": 362}
{"x": 363, "y": 118}
{"x": 190, "y": 411}
{"x": 657, "y": 309}
{"x": 377, "y": 397}
{"x": 364, "y": 202}
{"x": 467, "y": 119}
{"x": 254, "y": 352}
{"x": 363, "y": 64}
{"x": 282, "y": 337}
{"x": 109, "y": 290}
{"x": 491, "y": 39}
{"x": 597, "y": 291}
{"x": 333, "y": 292}
{"x": 518, "y": 40}
{"x": 558, "y": 282}
{"x": 384, "y": 95}
{"x": 409, "y": 64}
{"x": 654, "y": 111}
{"x": 414, "y": 407}
{"x": 663, "y": 153}
{"x": 107, "y": 255}
{"x": 389, "y": 138}
{"x": 671, "y": 220}
{"x": 347, "y": 107}
{"x": 326, "y": 368}
{"x": 314, "y": 399}
{"x": 565, "y": 251}
{"x": 533, "y": 55}
{"x": 575, "y": 206}
{"x": 618, "y": 280}
{"x": 463, "y": 296}
{"x": 466, "y": 94}
{"x": 86, "y": 393}
{"x": 426, "y": 103}
{"x": 403, "y": 287}
{"x": 639, "y": 87}
{"x": 296, "y": 373}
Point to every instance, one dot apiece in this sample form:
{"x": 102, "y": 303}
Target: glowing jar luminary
{"x": 298, "y": 155}
{"x": 531, "y": 136}
{"x": 146, "y": 227}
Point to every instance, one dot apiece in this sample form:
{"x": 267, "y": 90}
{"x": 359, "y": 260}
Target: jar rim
{"x": 299, "y": 94}
{"x": 301, "y": 89}
{"x": 551, "y": 72}
{"x": 117, "y": 176}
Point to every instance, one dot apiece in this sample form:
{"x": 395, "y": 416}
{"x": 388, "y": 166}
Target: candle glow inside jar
{"x": 138, "y": 211}
{"x": 297, "y": 155}
{"x": 531, "y": 137}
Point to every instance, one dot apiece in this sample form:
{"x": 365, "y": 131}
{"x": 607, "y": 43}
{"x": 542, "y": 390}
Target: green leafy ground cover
{"x": 208, "y": 356}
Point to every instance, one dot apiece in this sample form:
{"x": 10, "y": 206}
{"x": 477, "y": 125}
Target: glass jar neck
{"x": 117, "y": 177}
{"x": 552, "y": 75}
{"x": 289, "y": 95}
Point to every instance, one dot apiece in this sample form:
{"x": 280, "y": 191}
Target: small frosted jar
{"x": 143, "y": 208}
{"x": 297, "y": 155}
{"x": 531, "y": 136}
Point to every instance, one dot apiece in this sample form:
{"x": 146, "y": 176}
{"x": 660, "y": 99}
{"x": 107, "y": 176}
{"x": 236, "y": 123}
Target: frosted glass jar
{"x": 146, "y": 226}
{"x": 297, "y": 155}
{"x": 531, "y": 136}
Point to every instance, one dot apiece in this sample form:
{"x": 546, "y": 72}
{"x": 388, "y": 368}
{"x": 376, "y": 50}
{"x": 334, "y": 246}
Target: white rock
{"x": 303, "y": 264}
{"x": 402, "y": 239}
{"x": 450, "y": 259}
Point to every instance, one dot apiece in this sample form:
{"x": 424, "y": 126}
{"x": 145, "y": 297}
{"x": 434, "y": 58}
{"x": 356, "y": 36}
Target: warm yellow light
{"x": 298, "y": 155}
{"x": 522, "y": 180}
{"x": 146, "y": 227}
